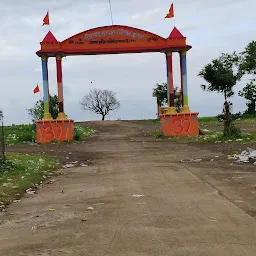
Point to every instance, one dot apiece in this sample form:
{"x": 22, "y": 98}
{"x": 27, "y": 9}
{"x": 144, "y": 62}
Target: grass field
{"x": 21, "y": 171}
{"x": 214, "y": 119}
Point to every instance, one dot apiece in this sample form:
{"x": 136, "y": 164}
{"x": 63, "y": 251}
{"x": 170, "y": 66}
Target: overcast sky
{"x": 211, "y": 27}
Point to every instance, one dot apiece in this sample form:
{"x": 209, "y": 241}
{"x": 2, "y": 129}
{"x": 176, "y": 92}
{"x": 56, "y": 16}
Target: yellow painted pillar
{"x": 183, "y": 56}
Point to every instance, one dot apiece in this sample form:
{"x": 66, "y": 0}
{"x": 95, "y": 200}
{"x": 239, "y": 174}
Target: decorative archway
{"x": 115, "y": 39}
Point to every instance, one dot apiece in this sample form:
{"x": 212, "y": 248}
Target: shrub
{"x": 27, "y": 136}
{"x": 232, "y": 132}
{"x": 156, "y": 133}
{"x": 77, "y": 133}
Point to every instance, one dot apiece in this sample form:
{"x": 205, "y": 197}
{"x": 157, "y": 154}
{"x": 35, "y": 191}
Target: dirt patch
{"x": 65, "y": 153}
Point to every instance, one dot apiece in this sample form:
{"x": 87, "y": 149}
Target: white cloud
{"x": 211, "y": 27}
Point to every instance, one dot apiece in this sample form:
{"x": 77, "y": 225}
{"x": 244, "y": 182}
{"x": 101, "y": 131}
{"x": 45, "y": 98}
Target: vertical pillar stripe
{"x": 59, "y": 83}
{"x": 45, "y": 85}
{"x": 170, "y": 79}
{"x": 181, "y": 82}
{"x": 184, "y": 78}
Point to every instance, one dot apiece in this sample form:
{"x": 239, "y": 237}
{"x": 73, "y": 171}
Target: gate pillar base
{"x": 180, "y": 124}
{"x": 54, "y": 130}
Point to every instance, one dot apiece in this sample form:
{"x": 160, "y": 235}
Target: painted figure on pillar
{"x": 115, "y": 39}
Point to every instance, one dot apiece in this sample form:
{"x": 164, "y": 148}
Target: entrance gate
{"x": 115, "y": 39}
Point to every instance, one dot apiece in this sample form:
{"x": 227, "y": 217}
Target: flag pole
{"x": 174, "y": 16}
{"x": 111, "y": 13}
{"x": 39, "y": 91}
{"x": 49, "y": 20}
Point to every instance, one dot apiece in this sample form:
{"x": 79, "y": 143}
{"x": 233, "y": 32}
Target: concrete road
{"x": 142, "y": 201}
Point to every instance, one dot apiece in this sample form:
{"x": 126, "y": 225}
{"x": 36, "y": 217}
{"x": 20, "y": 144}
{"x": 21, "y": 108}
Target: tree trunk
{"x": 227, "y": 121}
{"x": 158, "y": 110}
{"x": 254, "y": 107}
{"x": 103, "y": 117}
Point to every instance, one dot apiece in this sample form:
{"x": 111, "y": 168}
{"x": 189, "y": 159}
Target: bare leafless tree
{"x": 100, "y": 102}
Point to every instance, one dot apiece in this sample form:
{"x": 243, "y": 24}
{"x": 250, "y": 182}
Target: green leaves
{"x": 223, "y": 73}
{"x": 248, "y": 59}
{"x": 248, "y": 66}
{"x": 249, "y": 93}
{"x": 37, "y": 111}
{"x": 160, "y": 92}
{"x": 220, "y": 74}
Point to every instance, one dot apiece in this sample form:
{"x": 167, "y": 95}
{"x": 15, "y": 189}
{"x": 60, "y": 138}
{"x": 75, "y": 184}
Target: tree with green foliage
{"x": 248, "y": 59}
{"x": 248, "y": 66}
{"x": 160, "y": 92}
{"x": 177, "y": 99}
{"x": 221, "y": 76}
{"x": 37, "y": 112}
{"x": 249, "y": 93}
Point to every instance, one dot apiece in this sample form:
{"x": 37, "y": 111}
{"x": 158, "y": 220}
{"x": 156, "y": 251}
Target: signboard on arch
{"x": 115, "y": 38}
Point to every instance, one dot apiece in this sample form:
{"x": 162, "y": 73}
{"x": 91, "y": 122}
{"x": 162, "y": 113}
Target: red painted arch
{"x": 112, "y": 40}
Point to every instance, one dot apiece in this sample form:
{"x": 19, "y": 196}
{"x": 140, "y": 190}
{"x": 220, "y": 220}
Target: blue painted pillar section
{"x": 184, "y": 78}
{"x": 47, "y": 114}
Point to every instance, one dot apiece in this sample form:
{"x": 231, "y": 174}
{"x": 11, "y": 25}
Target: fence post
{"x": 2, "y": 136}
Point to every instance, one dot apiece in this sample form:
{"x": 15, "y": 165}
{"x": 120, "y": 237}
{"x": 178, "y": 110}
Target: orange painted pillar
{"x": 61, "y": 114}
{"x": 170, "y": 84}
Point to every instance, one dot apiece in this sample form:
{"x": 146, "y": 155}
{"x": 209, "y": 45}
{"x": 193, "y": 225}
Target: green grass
{"x": 250, "y": 117}
{"x": 208, "y": 119}
{"x": 22, "y": 134}
{"x": 213, "y": 119}
{"x": 22, "y": 171}
{"x": 17, "y": 134}
{"x": 82, "y": 132}
{"x": 156, "y": 133}
{"x": 155, "y": 121}
{"x": 214, "y": 136}
{"x": 210, "y": 136}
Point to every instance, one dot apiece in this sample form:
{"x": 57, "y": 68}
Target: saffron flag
{"x": 46, "y": 19}
{"x": 170, "y": 14}
{"x": 36, "y": 90}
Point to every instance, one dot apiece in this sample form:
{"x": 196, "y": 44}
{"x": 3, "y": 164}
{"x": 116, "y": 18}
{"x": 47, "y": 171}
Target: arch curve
{"x": 110, "y": 40}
